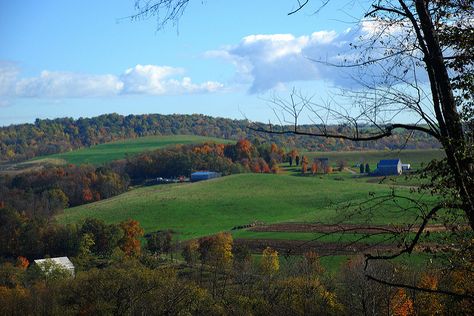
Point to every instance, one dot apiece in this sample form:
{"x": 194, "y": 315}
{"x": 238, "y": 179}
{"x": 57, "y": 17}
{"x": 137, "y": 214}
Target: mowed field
{"x": 414, "y": 157}
{"x": 203, "y": 208}
{"x": 107, "y": 152}
{"x": 104, "y": 153}
{"x": 193, "y": 210}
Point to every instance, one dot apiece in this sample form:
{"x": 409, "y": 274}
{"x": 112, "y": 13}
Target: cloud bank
{"x": 141, "y": 79}
{"x": 267, "y": 61}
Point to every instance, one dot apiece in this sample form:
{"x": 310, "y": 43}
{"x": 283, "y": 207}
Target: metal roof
{"x": 62, "y": 261}
{"x": 203, "y": 173}
{"x": 388, "y": 162}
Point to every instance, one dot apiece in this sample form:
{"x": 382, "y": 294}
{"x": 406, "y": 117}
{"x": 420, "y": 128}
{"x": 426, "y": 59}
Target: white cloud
{"x": 8, "y": 76}
{"x": 266, "y": 61}
{"x": 141, "y": 79}
{"x": 52, "y": 84}
{"x": 158, "y": 80}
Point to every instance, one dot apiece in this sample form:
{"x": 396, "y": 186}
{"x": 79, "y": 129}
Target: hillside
{"x": 44, "y": 137}
{"x": 203, "y": 208}
{"x": 107, "y": 152}
{"x": 411, "y": 156}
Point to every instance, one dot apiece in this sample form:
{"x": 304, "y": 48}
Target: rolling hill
{"x": 203, "y": 208}
{"x": 107, "y": 152}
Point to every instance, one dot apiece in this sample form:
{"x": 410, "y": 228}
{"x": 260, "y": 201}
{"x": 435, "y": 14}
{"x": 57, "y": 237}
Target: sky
{"x": 225, "y": 58}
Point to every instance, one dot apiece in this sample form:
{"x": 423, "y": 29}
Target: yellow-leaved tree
{"x": 270, "y": 263}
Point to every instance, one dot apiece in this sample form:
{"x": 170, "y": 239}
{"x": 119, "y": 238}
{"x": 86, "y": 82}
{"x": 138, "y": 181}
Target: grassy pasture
{"x": 438, "y": 237}
{"x": 107, "y": 152}
{"x": 203, "y": 208}
{"x": 197, "y": 209}
{"x": 414, "y": 157}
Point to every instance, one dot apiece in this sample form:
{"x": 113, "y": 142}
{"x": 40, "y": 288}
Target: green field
{"x": 414, "y": 157}
{"x": 104, "y": 153}
{"x": 203, "y": 208}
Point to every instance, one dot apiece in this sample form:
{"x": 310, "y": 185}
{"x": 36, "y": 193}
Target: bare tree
{"x": 418, "y": 60}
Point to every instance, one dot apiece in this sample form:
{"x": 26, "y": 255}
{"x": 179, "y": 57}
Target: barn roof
{"x": 62, "y": 261}
{"x": 388, "y": 162}
{"x": 203, "y": 173}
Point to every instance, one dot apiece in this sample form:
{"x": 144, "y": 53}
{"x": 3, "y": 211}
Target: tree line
{"x": 43, "y": 137}
{"x": 181, "y": 160}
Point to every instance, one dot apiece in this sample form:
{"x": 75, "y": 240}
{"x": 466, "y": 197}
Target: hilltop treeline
{"x": 226, "y": 159}
{"x": 25, "y": 141}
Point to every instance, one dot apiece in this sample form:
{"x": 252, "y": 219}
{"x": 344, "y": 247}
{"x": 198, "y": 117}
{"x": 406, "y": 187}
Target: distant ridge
{"x": 50, "y": 136}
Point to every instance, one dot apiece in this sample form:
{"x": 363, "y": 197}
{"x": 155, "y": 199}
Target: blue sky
{"x": 225, "y": 58}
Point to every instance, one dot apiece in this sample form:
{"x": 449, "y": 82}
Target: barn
{"x": 389, "y": 167}
{"x": 204, "y": 175}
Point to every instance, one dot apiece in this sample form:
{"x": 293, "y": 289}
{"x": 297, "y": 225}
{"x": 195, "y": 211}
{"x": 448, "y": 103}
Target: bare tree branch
{"x": 387, "y": 131}
{"x": 421, "y": 289}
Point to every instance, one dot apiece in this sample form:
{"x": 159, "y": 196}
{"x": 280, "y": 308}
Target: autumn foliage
{"x": 130, "y": 242}
{"x": 22, "y": 262}
{"x": 428, "y": 303}
{"x": 270, "y": 263}
{"x": 216, "y": 250}
{"x": 304, "y": 164}
{"x": 401, "y": 304}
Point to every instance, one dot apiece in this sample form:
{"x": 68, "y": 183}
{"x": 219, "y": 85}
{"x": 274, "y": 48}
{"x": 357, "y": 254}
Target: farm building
{"x": 388, "y": 167}
{"x": 323, "y": 162}
{"x": 406, "y": 166}
{"x": 62, "y": 262}
{"x": 204, "y": 175}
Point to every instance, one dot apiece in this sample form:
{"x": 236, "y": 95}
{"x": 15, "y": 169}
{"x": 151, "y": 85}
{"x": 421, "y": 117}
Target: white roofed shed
{"x": 62, "y": 262}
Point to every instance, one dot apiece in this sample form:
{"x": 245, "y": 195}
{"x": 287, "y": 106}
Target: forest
{"x": 114, "y": 274}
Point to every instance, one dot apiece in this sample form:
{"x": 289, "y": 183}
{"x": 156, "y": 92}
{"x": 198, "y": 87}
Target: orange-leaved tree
{"x": 130, "y": 243}
{"x": 429, "y": 303}
{"x": 244, "y": 149}
{"x": 304, "y": 164}
{"x": 401, "y": 304}
{"x": 22, "y": 262}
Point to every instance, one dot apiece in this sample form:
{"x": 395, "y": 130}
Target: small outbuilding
{"x": 389, "y": 167}
{"x": 323, "y": 162}
{"x": 406, "y": 167}
{"x": 204, "y": 175}
{"x": 62, "y": 262}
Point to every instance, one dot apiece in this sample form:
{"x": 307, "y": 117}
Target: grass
{"x": 309, "y": 236}
{"x": 367, "y": 238}
{"x": 414, "y": 157}
{"x": 203, "y": 208}
{"x": 104, "y": 153}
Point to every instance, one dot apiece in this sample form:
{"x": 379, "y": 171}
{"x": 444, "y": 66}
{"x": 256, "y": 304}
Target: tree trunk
{"x": 453, "y": 140}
